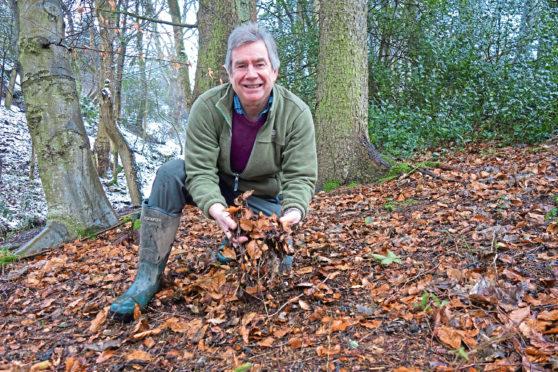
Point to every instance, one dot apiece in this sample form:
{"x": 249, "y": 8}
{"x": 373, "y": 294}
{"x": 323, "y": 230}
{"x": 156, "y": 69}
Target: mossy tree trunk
{"x": 75, "y": 198}
{"x": 345, "y": 153}
{"x": 216, "y": 20}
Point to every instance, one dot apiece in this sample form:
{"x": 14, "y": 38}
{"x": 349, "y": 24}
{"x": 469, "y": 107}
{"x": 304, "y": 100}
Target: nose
{"x": 251, "y": 71}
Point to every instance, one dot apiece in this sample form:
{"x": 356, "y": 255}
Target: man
{"x": 248, "y": 134}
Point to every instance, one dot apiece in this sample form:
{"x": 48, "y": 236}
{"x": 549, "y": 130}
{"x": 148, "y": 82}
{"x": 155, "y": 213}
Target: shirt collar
{"x": 240, "y": 111}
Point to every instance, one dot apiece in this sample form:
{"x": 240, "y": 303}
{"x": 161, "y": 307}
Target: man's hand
{"x": 292, "y": 216}
{"x": 225, "y": 222}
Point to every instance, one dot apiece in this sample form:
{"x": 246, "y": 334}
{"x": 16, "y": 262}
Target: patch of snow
{"x": 22, "y": 200}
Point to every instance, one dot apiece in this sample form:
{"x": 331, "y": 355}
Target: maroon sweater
{"x": 244, "y": 134}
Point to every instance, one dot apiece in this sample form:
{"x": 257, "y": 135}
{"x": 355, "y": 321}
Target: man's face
{"x": 251, "y": 75}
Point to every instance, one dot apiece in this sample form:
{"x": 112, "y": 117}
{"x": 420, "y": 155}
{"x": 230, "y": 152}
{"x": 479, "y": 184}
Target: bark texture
{"x": 75, "y": 198}
{"x": 345, "y": 153}
{"x": 216, "y": 20}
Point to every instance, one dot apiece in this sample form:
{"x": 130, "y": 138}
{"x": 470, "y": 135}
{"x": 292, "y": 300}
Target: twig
{"x": 419, "y": 169}
{"x": 503, "y": 337}
{"x": 120, "y": 223}
{"x": 492, "y": 248}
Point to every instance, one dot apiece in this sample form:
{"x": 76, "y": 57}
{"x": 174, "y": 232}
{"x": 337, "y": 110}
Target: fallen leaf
{"x": 266, "y": 342}
{"x": 295, "y": 342}
{"x": 144, "y": 334}
{"x": 137, "y": 312}
{"x": 520, "y": 315}
{"x": 187, "y": 355}
{"x": 149, "y": 342}
{"x": 339, "y": 325}
{"x": 104, "y": 356}
{"x": 138, "y": 355}
{"x": 304, "y": 305}
{"x": 244, "y": 333}
{"x": 370, "y": 324}
{"x": 229, "y": 252}
{"x": 324, "y": 351}
{"x": 448, "y": 336}
{"x": 279, "y": 333}
{"x": 99, "y": 320}
{"x": 41, "y": 366}
{"x": 548, "y": 315}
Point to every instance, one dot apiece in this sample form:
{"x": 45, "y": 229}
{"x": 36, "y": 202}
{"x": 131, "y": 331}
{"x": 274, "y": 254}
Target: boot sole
{"x": 124, "y": 318}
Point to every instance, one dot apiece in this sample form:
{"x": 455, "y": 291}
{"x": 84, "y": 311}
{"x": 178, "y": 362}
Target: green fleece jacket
{"x": 283, "y": 159}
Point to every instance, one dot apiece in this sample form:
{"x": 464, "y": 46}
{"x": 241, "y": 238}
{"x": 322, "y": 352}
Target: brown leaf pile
{"x": 268, "y": 242}
{"x": 474, "y": 287}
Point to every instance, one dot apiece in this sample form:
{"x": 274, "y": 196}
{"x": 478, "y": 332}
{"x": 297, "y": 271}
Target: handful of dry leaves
{"x": 268, "y": 241}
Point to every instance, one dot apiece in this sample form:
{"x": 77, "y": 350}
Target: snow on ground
{"x": 22, "y": 200}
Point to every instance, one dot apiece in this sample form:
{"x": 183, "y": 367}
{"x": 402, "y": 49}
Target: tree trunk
{"x": 107, "y": 26}
{"x": 345, "y": 153}
{"x": 32, "y": 163}
{"x": 17, "y": 66}
{"x": 182, "y": 62}
{"x": 101, "y": 150}
{"x": 10, "y": 90}
{"x": 106, "y": 113}
{"x": 75, "y": 198}
{"x": 120, "y": 58}
{"x": 216, "y": 20}
{"x": 127, "y": 156}
{"x": 142, "y": 112}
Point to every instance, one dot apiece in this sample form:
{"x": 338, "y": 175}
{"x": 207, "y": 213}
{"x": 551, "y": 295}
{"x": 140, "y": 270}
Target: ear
{"x": 274, "y": 74}
{"x": 228, "y": 72}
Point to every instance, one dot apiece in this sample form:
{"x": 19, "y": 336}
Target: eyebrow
{"x": 255, "y": 61}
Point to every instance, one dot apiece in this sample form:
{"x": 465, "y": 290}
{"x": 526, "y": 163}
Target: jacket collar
{"x": 239, "y": 110}
{"x": 226, "y": 103}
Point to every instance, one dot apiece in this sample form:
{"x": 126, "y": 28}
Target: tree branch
{"x": 154, "y": 20}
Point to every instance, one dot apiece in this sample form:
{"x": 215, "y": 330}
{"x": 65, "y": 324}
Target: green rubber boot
{"x": 157, "y": 234}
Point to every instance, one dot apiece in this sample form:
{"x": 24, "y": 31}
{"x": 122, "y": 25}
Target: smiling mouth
{"x": 253, "y": 86}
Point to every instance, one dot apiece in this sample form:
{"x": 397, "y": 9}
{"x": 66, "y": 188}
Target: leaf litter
{"x": 462, "y": 278}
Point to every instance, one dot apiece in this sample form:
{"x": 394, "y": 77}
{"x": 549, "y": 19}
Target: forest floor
{"x": 468, "y": 282}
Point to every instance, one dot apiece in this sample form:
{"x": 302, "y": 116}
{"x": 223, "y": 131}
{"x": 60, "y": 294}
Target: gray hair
{"x": 248, "y": 33}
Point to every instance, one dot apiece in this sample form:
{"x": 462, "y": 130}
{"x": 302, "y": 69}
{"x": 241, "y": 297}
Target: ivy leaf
{"x": 388, "y": 259}
{"x": 243, "y": 368}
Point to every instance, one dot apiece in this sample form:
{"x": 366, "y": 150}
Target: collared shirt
{"x": 240, "y": 111}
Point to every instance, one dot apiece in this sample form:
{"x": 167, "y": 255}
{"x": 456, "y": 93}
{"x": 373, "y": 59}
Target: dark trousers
{"x": 169, "y": 194}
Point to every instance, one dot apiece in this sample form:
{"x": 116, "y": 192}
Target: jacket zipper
{"x": 236, "y": 176}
